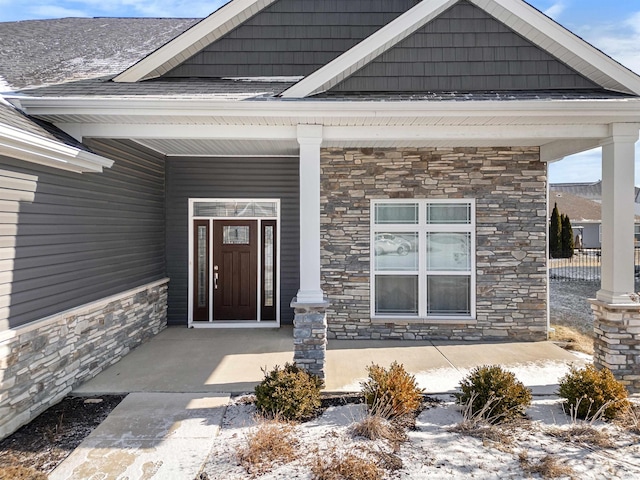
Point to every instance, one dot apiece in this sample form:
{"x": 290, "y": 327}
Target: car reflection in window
{"x": 387, "y": 243}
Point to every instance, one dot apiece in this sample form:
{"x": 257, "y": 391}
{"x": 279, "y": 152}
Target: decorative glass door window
{"x": 422, "y": 258}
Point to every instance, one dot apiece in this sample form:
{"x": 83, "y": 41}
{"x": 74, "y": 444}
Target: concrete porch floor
{"x": 183, "y": 360}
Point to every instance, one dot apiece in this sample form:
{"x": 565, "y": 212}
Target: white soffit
{"x": 181, "y": 48}
{"x": 370, "y": 48}
{"x": 563, "y": 44}
{"x": 178, "y": 147}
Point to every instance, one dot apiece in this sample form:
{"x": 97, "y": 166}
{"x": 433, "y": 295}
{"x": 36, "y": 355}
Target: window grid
{"x": 464, "y": 224}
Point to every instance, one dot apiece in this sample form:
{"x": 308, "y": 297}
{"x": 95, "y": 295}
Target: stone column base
{"x": 617, "y": 341}
{"x": 310, "y": 336}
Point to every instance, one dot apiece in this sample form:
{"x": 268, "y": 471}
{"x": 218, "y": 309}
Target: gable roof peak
{"x": 518, "y": 15}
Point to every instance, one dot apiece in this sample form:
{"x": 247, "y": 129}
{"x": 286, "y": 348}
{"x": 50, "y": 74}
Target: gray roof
{"x": 229, "y": 89}
{"x": 265, "y": 89}
{"x": 40, "y": 52}
{"x": 587, "y": 94}
{"x": 14, "y": 118}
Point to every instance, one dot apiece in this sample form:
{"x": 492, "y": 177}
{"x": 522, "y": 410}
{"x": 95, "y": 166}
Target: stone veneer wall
{"x": 42, "y": 361}
{"x": 509, "y": 185}
{"x": 617, "y": 341}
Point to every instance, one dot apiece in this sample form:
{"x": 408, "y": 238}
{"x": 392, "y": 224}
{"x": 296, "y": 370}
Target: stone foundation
{"x": 43, "y": 361}
{"x": 509, "y": 187}
{"x": 617, "y": 341}
{"x": 310, "y": 336}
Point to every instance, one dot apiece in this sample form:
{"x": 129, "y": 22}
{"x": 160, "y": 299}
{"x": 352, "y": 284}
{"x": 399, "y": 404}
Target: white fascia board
{"x": 216, "y": 25}
{"x": 371, "y": 47}
{"x": 135, "y": 107}
{"x": 33, "y": 148}
{"x": 567, "y": 43}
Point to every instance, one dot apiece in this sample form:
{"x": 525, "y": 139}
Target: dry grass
{"x": 629, "y": 418}
{"x": 346, "y": 466}
{"x": 375, "y": 427}
{"x": 21, "y": 473}
{"x": 548, "y": 467}
{"x": 582, "y": 433}
{"x": 572, "y": 339}
{"x": 271, "y": 443}
{"x": 484, "y": 431}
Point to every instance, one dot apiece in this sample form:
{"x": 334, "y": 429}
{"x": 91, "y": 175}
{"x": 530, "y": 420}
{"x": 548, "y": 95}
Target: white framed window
{"x": 423, "y": 259}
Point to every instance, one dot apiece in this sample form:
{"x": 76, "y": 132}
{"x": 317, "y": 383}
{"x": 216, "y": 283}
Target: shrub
{"x": 590, "y": 393}
{"x": 290, "y": 393}
{"x": 494, "y": 394}
{"x": 391, "y": 393}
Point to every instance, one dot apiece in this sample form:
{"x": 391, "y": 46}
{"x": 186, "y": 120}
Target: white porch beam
{"x": 559, "y": 149}
{"x": 618, "y": 196}
{"x": 310, "y": 138}
{"x": 545, "y": 133}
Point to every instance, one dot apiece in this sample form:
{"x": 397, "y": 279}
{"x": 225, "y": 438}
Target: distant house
{"x": 362, "y": 169}
{"x": 582, "y": 202}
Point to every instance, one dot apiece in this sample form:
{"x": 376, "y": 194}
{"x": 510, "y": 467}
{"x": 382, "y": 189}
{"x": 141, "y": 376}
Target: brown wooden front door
{"x": 235, "y": 268}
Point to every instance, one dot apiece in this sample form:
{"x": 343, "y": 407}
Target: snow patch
{"x": 265, "y": 79}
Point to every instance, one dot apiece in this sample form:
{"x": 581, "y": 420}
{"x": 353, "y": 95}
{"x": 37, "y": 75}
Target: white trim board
{"x": 33, "y": 148}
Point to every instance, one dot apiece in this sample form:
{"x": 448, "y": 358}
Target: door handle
{"x": 215, "y": 281}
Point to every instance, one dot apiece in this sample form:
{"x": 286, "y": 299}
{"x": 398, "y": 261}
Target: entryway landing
{"x": 186, "y": 360}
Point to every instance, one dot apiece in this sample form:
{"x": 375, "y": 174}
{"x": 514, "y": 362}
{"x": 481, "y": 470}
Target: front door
{"x": 235, "y": 269}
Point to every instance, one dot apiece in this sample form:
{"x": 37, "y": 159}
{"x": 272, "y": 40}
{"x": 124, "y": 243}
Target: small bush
{"x": 493, "y": 394}
{"x": 590, "y": 393}
{"x": 391, "y": 393}
{"x": 290, "y": 393}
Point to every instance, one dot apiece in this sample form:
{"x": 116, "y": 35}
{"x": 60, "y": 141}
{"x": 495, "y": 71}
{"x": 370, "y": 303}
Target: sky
{"x": 612, "y": 26}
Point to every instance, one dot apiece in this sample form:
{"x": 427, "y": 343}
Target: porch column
{"x": 618, "y": 178}
{"x": 616, "y": 308}
{"x": 310, "y": 321}
{"x": 310, "y": 138}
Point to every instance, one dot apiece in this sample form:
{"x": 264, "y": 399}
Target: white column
{"x": 310, "y": 138}
{"x": 618, "y": 197}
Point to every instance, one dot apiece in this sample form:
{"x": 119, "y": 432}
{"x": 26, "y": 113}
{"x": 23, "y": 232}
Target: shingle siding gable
{"x": 292, "y": 38}
{"x": 464, "y": 49}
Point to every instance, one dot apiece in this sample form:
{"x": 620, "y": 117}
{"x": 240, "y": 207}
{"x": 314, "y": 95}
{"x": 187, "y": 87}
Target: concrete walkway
{"x": 180, "y": 383}
{"x": 149, "y": 435}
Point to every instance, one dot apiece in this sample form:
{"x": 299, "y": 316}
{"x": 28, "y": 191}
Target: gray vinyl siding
{"x": 292, "y": 38}
{"x": 67, "y": 239}
{"x": 230, "y": 178}
{"x": 464, "y": 49}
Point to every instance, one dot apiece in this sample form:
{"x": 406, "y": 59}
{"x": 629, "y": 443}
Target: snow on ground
{"x": 542, "y": 377}
{"x": 432, "y": 450}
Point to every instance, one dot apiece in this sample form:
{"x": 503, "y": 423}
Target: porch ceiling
{"x": 179, "y": 147}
